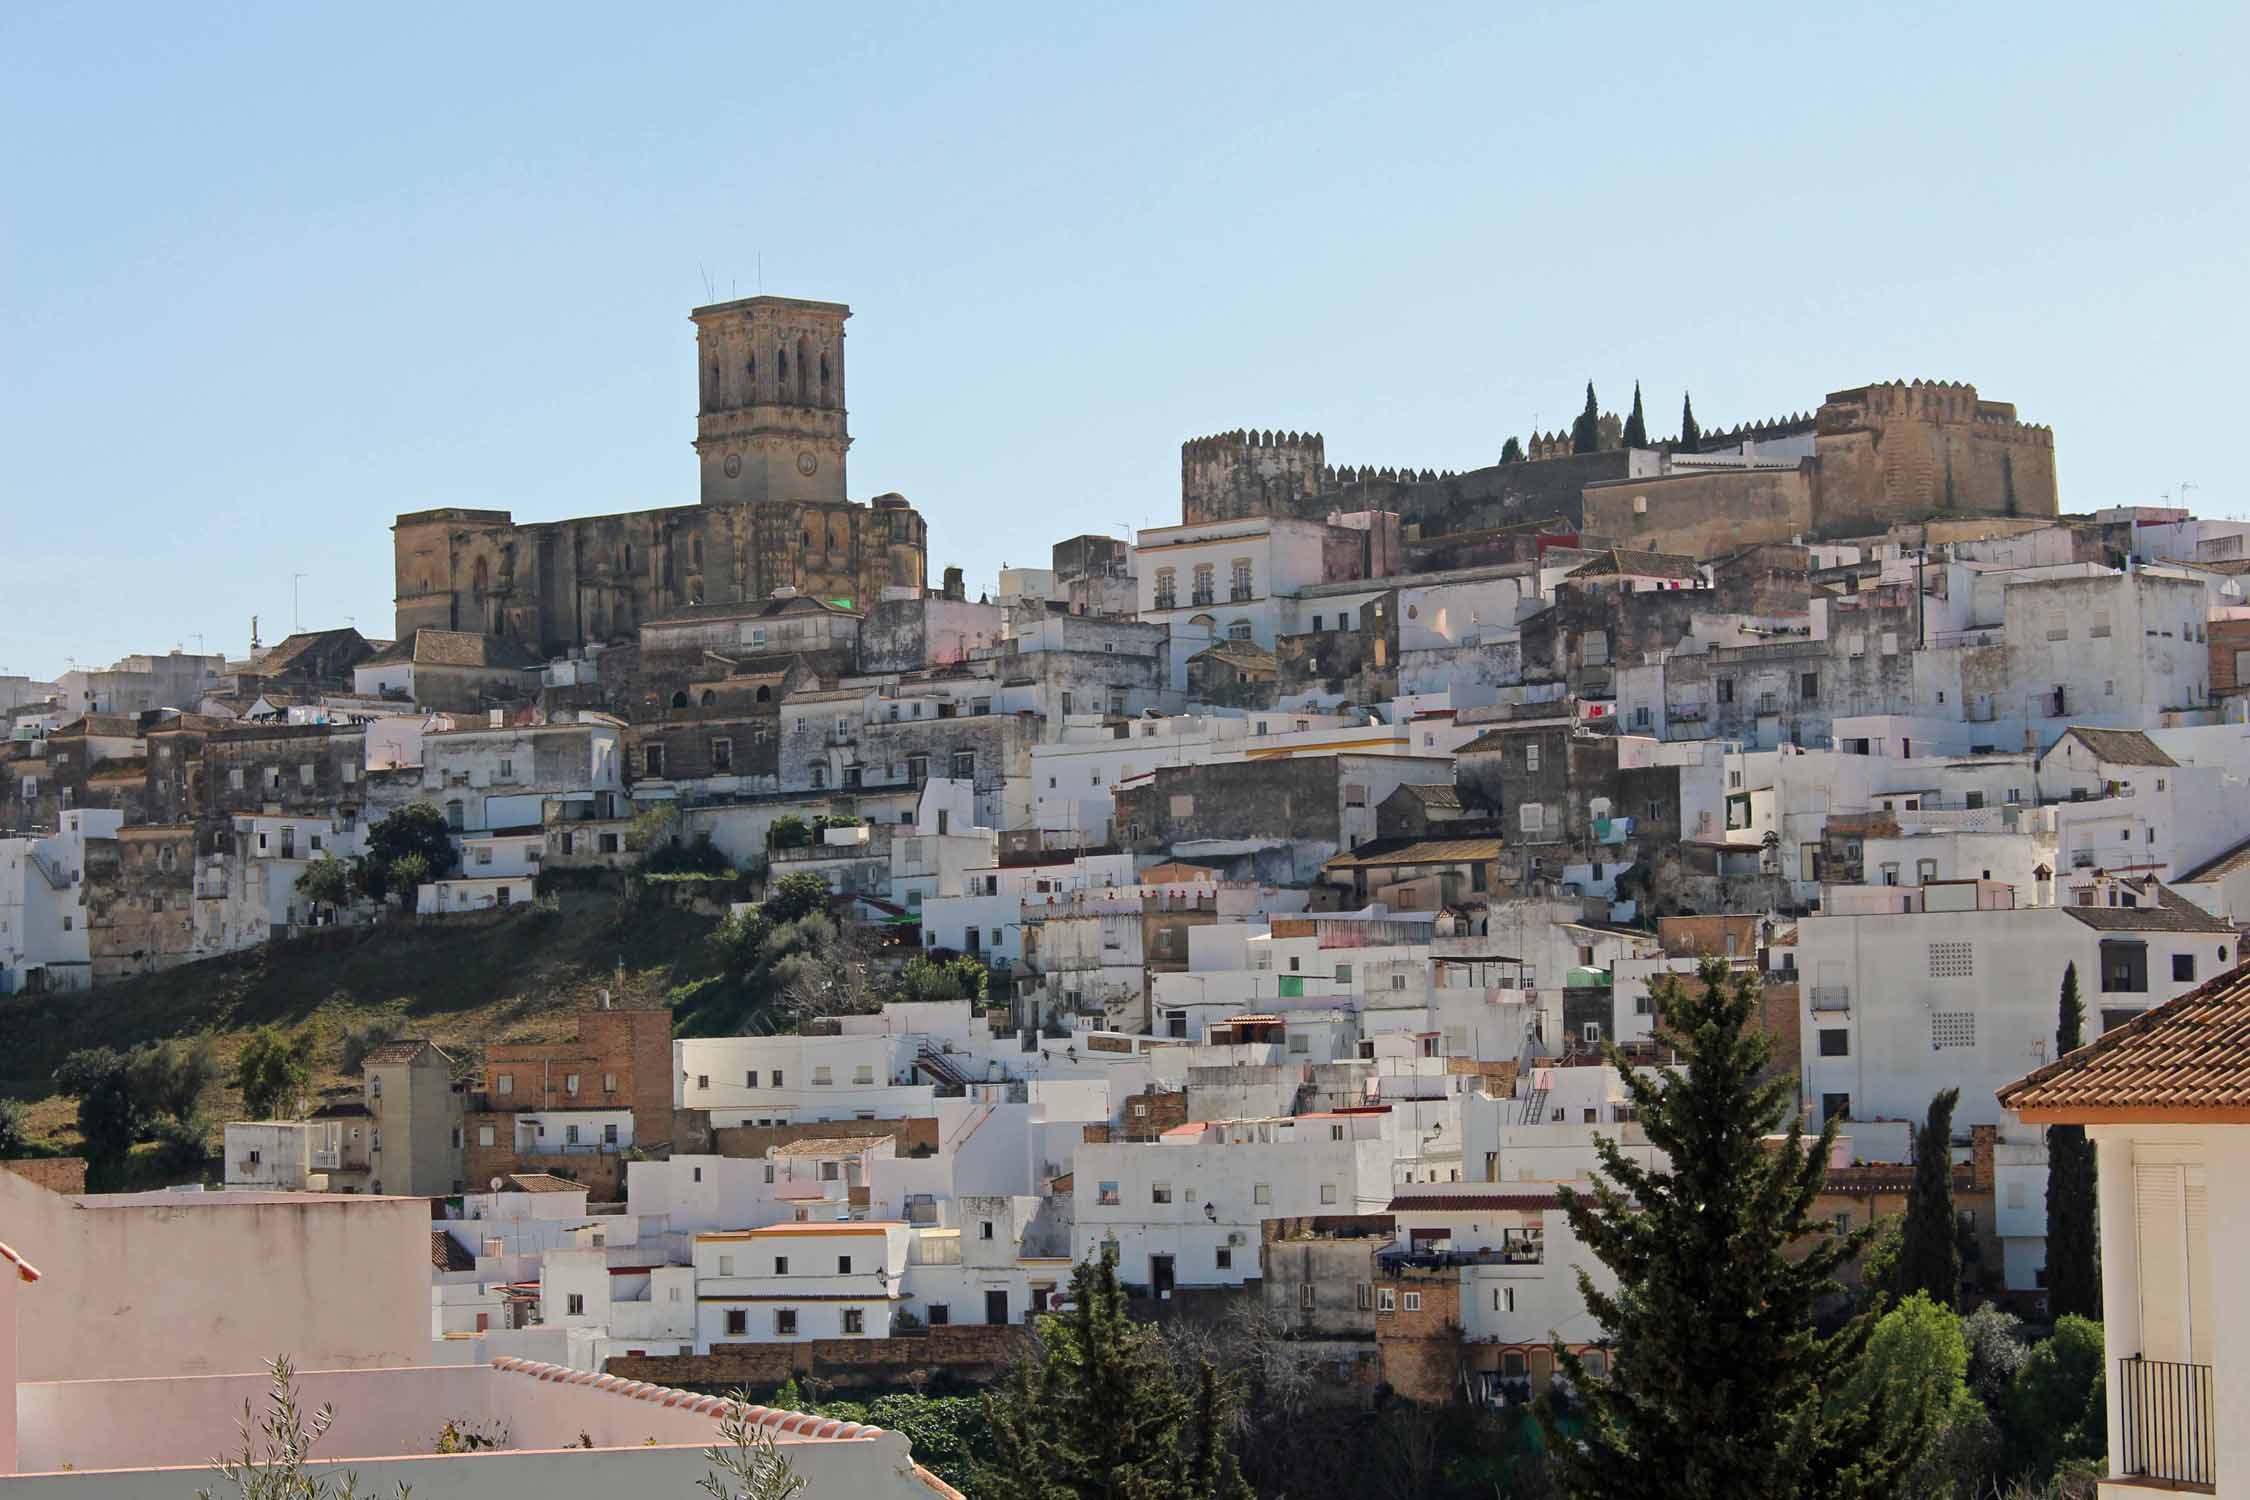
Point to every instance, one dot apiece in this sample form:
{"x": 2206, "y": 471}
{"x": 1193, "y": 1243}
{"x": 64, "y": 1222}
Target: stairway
{"x": 940, "y": 1068}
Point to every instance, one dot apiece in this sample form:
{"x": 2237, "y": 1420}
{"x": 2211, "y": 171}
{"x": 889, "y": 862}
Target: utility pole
{"x": 296, "y": 619}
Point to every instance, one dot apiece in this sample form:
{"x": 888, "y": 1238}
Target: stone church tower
{"x": 771, "y": 424}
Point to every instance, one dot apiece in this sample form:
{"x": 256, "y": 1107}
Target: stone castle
{"x": 771, "y": 438}
{"x": 1870, "y": 457}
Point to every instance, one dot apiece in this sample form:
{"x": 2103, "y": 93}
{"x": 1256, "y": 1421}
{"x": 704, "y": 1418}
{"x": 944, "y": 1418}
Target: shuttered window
{"x": 2171, "y": 1214}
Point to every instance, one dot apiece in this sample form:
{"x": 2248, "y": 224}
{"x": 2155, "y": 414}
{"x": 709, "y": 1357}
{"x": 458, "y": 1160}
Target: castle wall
{"x": 1702, "y": 514}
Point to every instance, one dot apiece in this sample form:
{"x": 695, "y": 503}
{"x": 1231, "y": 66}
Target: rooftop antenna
{"x": 296, "y": 619}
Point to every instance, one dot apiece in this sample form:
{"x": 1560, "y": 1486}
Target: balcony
{"x": 1831, "y": 997}
{"x": 2165, "y": 1423}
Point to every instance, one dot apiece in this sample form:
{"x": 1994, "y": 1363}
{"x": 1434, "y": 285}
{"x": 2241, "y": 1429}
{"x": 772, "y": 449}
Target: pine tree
{"x": 1636, "y": 425}
{"x": 1511, "y": 452}
{"x": 1929, "y": 1255}
{"x": 2074, "y": 1273}
{"x": 1690, "y": 434}
{"x": 1097, "y": 1414}
{"x": 1586, "y": 432}
{"x": 1720, "y": 1383}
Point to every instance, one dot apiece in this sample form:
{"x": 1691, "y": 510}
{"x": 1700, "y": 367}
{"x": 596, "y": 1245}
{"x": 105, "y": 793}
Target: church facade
{"x": 771, "y": 439}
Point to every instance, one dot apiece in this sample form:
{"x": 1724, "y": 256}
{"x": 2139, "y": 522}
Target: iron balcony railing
{"x": 2165, "y": 1421}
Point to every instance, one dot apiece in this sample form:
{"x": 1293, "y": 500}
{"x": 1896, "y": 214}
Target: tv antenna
{"x": 296, "y": 619}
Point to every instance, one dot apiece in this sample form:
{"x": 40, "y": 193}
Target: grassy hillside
{"x": 518, "y": 978}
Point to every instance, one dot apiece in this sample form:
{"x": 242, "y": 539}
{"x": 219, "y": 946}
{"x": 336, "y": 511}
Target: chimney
{"x": 955, "y": 588}
{"x": 1982, "y": 1138}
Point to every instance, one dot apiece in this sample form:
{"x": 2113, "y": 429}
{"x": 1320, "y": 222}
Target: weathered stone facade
{"x": 771, "y": 438}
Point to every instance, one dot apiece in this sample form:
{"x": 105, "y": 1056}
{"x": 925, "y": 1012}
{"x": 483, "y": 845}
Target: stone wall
{"x": 971, "y": 1351}
{"x": 1419, "y": 1349}
{"x": 1703, "y": 513}
{"x": 754, "y": 1141}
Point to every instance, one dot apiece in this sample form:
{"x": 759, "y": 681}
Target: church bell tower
{"x": 770, "y": 425}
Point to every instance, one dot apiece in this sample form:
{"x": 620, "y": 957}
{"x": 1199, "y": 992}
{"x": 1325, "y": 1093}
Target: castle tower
{"x": 770, "y": 424}
{"x": 1249, "y": 474}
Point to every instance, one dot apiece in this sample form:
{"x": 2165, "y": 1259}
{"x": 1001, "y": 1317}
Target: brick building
{"x": 574, "y": 1107}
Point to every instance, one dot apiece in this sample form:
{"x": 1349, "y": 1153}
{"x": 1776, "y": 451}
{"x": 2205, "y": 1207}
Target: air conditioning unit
{"x": 1235, "y": 1237}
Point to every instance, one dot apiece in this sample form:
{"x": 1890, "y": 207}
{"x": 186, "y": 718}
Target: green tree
{"x": 1929, "y": 1256}
{"x": 1636, "y": 425}
{"x": 796, "y": 895}
{"x": 2056, "y": 1411}
{"x": 15, "y": 1132}
{"x": 108, "y": 1118}
{"x": 1918, "y": 1360}
{"x": 1720, "y": 1379}
{"x": 1511, "y": 452}
{"x": 407, "y": 874}
{"x": 960, "y": 978}
{"x": 1097, "y": 1412}
{"x": 788, "y": 832}
{"x": 272, "y": 1071}
{"x": 2074, "y": 1274}
{"x": 276, "y": 1447}
{"x": 1586, "y": 432}
{"x": 167, "y": 1079}
{"x": 1690, "y": 434}
{"x": 1996, "y": 1351}
{"x": 417, "y": 828}
{"x": 740, "y": 938}
{"x": 327, "y": 881}
{"x": 652, "y": 827}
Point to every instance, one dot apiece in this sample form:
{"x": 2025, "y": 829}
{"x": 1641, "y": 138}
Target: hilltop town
{"x": 1282, "y": 903}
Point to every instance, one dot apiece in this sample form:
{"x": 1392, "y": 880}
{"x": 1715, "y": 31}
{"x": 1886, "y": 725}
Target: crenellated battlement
{"x": 1948, "y": 402}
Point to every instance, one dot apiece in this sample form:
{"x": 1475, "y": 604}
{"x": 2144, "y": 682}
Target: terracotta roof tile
{"x": 2171, "y": 912}
{"x": 1384, "y": 853}
{"x": 446, "y": 1253}
{"x": 542, "y": 1182}
{"x": 2190, "y": 1053}
{"x": 2119, "y": 747}
{"x": 463, "y": 648}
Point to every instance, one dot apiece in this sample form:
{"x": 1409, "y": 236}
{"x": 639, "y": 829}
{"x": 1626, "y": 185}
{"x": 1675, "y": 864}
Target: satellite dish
{"x": 496, "y": 1184}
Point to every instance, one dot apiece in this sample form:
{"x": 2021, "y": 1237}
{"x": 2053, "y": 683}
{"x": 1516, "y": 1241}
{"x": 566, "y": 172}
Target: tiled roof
{"x": 1240, "y": 653}
{"x": 285, "y": 653}
{"x": 2172, "y": 912}
{"x": 2190, "y": 1053}
{"x": 463, "y": 648}
{"x": 2225, "y": 864}
{"x": 541, "y": 1182}
{"x": 446, "y": 1253}
{"x": 406, "y": 1049}
{"x": 1441, "y": 794}
{"x": 351, "y": 1109}
{"x": 848, "y": 1145}
{"x": 1469, "y": 1203}
{"x": 1637, "y": 564}
{"x": 1382, "y": 853}
{"x": 2118, "y": 747}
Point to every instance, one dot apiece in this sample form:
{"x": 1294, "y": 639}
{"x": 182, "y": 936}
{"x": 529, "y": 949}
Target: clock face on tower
{"x": 734, "y": 466}
{"x": 806, "y": 464}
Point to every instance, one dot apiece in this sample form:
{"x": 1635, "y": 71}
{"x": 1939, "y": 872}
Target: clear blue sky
{"x": 276, "y": 273}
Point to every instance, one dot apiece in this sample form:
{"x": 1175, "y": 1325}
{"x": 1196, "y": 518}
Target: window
{"x": 1328, "y": 1192}
{"x": 738, "y": 1322}
{"x": 1808, "y": 687}
{"x": 1504, "y": 1299}
{"x": 843, "y": 1265}
{"x": 1835, "y": 1042}
{"x": 2125, "y": 968}
{"x": 785, "y": 1322}
{"x": 1531, "y": 757}
{"x": 1224, "y": 1258}
{"x": 1107, "y": 1194}
{"x": 1167, "y": 588}
{"x": 1952, "y": 1028}
{"x": 1950, "y": 960}
{"x": 570, "y": 1135}
{"x": 722, "y": 756}
{"x": 829, "y": 1171}
{"x": 504, "y": 1084}
{"x": 702, "y": 1080}
{"x": 575, "y": 1305}
{"x": 1241, "y": 580}
{"x": 1160, "y": 1192}
{"x": 1413, "y": 1301}
{"x": 1533, "y": 817}
{"x": 1262, "y": 1193}
{"x": 1726, "y": 689}
{"x": 234, "y": 782}
{"x": 484, "y": 1135}
{"x": 821, "y": 1077}
{"x": 1835, "y": 1107}
{"x": 652, "y": 760}
{"x": 609, "y": 1135}
{"x": 2183, "y": 967}
{"x": 570, "y": 1083}
{"x": 1386, "y": 1299}
{"x": 965, "y": 763}
{"x": 984, "y": 1229}
{"x": 855, "y": 1320}
{"x": 726, "y": 1265}
{"x": 938, "y": 1314}
{"x": 864, "y": 1073}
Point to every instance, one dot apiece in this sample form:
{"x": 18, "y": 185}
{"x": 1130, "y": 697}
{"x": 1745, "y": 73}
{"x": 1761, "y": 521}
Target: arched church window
{"x": 765, "y": 695}
{"x": 780, "y": 370}
{"x": 709, "y": 697}
{"x": 803, "y": 372}
{"x": 480, "y": 576}
{"x": 824, "y": 380}
{"x": 679, "y": 699}
{"x": 628, "y": 557}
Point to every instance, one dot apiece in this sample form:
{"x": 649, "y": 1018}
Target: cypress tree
{"x": 1929, "y": 1254}
{"x": 1721, "y": 1384}
{"x": 1586, "y": 432}
{"x": 1095, "y": 1413}
{"x": 1690, "y": 434}
{"x": 1636, "y": 426}
{"x": 2074, "y": 1273}
{"x": 1511, "y": 452}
